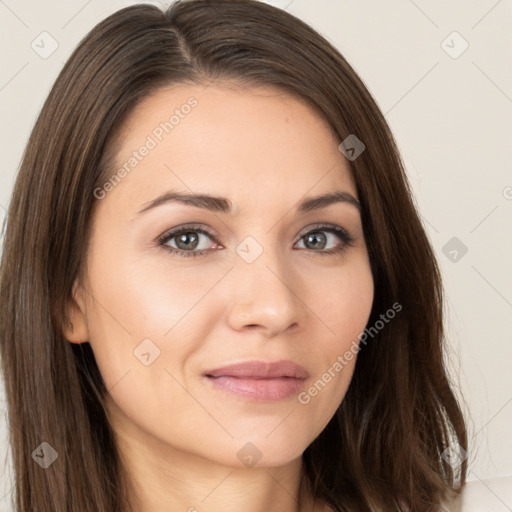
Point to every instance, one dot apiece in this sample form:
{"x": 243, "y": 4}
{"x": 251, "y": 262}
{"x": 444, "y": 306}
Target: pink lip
{"x": 260, "y": 370}
{"x": 259, "y": 380}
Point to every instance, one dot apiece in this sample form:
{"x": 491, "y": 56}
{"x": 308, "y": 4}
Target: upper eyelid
{"x": 171, "y": 233}
{"x": 321, "y": 226}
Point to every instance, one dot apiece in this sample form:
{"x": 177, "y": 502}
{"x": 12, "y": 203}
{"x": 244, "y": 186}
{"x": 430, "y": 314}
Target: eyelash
{"x": 341, "y": 233}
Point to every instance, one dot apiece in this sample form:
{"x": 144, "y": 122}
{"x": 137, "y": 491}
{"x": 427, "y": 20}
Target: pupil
{"x": 314, "y": 238}
{"x": 184, "y": 239}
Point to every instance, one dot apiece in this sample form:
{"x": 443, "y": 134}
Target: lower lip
{"x": 267, "y": 390}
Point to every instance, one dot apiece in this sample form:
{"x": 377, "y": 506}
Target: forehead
{"x": 253, "y": 144}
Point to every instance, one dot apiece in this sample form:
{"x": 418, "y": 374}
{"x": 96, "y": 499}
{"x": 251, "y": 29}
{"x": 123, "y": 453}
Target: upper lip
{"x": 260, "y": 370}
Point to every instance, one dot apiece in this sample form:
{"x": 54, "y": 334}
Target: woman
{"x": 295, "y": 362}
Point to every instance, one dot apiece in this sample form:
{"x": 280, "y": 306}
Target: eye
{"x": 323, "y": 235}
{"x": 192, "y": 240}
{"x": 187, "y": 241}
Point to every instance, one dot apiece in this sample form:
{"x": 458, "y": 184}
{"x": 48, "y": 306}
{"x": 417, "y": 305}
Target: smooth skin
{"x": 180, "y": 438}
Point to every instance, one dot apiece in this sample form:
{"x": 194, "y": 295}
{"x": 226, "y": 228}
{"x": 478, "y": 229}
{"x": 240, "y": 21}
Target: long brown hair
{"x": 384, "y": 449}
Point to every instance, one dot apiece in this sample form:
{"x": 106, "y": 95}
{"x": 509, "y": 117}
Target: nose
{"x": 265, "y": 296}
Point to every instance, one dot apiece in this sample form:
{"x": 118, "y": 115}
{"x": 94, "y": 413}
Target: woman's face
{"x": 251, "y": 277}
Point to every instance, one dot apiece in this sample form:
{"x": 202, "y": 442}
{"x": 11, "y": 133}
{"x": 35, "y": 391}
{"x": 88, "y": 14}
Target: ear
{"x": 77, "y": 330}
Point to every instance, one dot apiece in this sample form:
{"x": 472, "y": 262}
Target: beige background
{"x": 451, "y": 113}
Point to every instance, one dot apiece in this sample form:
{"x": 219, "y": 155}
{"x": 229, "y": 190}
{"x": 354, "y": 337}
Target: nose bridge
{"x": 264, "y": 288}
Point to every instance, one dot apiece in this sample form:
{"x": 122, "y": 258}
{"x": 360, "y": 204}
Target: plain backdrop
{"x": 440, "y": 71}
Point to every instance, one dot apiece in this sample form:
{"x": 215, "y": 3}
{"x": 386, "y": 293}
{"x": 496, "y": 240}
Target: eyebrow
{"x": 224, "y": 205}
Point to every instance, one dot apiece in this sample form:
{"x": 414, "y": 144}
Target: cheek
{"x": 343, "y": 302}
{"x": 149, "y": 297}
{"x": 136, "y": 301}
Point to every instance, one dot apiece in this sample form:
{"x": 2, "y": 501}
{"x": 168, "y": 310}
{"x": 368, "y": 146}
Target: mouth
{"x": 260, "y": 370}
{"x": 259, "y": 380}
